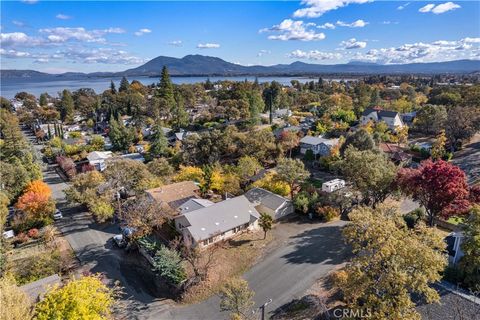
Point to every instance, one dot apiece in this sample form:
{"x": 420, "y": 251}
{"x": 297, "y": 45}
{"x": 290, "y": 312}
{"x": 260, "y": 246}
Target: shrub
{"x": 309, "y": 155}
{"x": 22, "y": 237}
{"x": 33, "y": 233}
{"x": 327, "y": 213}
{"x": 168, "y": 264}
{"x": 412, "y": 218}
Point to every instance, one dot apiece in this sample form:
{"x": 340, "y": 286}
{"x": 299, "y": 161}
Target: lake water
{"x": 9, "y": 88}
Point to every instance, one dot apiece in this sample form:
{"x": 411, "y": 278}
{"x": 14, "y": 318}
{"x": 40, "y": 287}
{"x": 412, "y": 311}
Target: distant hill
{"x": 198, "y": 65}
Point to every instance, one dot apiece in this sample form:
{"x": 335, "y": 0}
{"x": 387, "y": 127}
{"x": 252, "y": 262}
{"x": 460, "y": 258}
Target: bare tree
{"x": 143, "y": 215}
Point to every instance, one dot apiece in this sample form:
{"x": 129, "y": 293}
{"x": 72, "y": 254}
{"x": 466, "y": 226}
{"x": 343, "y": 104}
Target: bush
{"x": 309, "y": 156}
{"x": 412, "y": 218}
{"x": 33, "y": 233}
{"x": 327, "y": 213}
{"x": 453, "y": 275}
{"x": 22, "y": 237}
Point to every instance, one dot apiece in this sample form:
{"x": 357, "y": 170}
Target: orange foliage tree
{"x": 36, "y": 201}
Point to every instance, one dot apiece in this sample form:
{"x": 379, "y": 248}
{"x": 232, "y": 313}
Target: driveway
{"x": 283, "y": 275}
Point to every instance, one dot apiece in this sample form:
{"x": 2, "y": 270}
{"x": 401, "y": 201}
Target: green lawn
{"x": 456, "y": 220}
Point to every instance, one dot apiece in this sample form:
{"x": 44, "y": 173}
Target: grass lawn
{"x": 456, "y": 220}
{"x": 232, "y": 259}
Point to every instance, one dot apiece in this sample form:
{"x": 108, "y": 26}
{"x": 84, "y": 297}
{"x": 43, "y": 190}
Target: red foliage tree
{"x": 475, "y": 194}
{"x": 439, "y": 186}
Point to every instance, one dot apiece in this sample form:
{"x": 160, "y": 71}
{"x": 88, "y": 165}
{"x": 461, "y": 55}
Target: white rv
{"x": 333, "y": 185}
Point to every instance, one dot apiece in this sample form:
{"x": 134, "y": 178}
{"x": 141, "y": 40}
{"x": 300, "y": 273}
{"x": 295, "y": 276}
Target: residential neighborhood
{"x": 344, "y": 186}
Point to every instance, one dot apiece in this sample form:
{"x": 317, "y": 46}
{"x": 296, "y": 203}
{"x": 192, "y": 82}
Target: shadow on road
{"x": 320, "y": 245}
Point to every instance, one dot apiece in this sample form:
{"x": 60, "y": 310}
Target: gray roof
{"x": 37, "y": 288}
{"x": 268, "y": 199}
{"x": 318, "y": 140}
{"x": 194, "y": 204}
{"x": 380, "y": 113}
{"x": 220, "y": 217}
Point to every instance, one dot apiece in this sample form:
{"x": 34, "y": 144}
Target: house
{"x": 133, "y": 156}
{"x": 281, "y": 113}
{"x": 333, "y": 185}
{"x": 217, "y": 222}
{"x": 172, "y": 196}
{"x": 194, "y": 204}
{"x": 454, "y": 241}
{"x": 288, "y": 128}
{"x": 269, "y": 202}
{"x": 391, "y": 118}
{"x": 396, "y": 153}
{"x": 98, "y": 158}
{"x": 319, "y": 145}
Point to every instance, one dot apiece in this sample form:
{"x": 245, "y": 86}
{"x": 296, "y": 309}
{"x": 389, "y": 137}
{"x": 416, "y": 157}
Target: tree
{"x": 390, "y": 264}
{"x": 200, "y": 260}
{"x": 129, "y": 176}
{"x": 440, "y": 187}
{"x": 190, "y": 174}
{"x": 83, "y": 298}
{"x": 165, "y": 95}
{"x": 168, "y": 264}
{"x": 271, "y": 96}
{"x": 274, "y": 184}
{"x": 469, "y": 264}
{"x": 113, "y": 90}
{"x": 371, "y": 173}
{"x": 179, "y": 114}
{"x": 438, "y": 147}
{"x": 124, "y": 85}
{"x": 237, "y": 298}
{"x": 247, "y": 167}
{"x": 16, "y": 305}
{"x": 265, "y": 222}
{"x": 289, "y": 140}
{"x": 360, "y": 140}
{"x": 36, "y": 202}
{"x": 462, "y": 124}
{"x": 122, "y": 137}
{"x": 159, "y": 144}
{"x": 142, "y": 215}
{"x": 66, "y": 106}
{"x": 292, "y": 171}
{"x": 43, "y": 101}
{"x": 161, "y": 168}
{"x": 84, "y": 187}
{"x": 302, "y": 201}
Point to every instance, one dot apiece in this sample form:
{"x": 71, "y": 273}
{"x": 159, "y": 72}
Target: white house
{"x": 98, "y": 158}
{"x": 319, "y": 145}
{"x": 218, "y": 221}
{"x": 454, "y": 241}
{"x": 333, "y": 185}
{"x": 270, "y": 203}
{"x": 391, "y": 118}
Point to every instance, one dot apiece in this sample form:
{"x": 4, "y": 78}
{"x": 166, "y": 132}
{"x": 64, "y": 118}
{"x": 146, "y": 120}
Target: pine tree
{"x": 179, "y": 115}
{"x": 159, "y": 143}
{"x": 49, "y": 132}
{"x": 124, "y": 85}
{"x": 113, "y": 90}
{"x": 66, "y": 107}
{"x": 43, "y": 100}
{"x": 165, "y": 94}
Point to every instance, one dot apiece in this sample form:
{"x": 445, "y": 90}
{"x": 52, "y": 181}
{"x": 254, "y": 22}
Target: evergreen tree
{"x": 121, "y": 136}
{"x": 165, "y": 95}
{"x": 43, "y": 100}
{"x": 159, "y": 143}
{"x": 66, "y": 106}
{"x": 112, "y": 87}
{"x": 55, "y": 129}
{"x": 49, "y": 132}
{"x": 179, "y": 115}
{"x": 124, "y": 85}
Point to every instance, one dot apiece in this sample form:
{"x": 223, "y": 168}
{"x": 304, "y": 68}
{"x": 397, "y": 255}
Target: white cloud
{"x": 289, "y": 29}
{"x": 62, "y": 16}
{"x": 63, "y": 34}
{"x": 261, "y": 53}
{"x": 403, "y": 6}
{"x": 440, "y": 50}
{"x": 439, "y": 9}
{"x": 18, "y": 23}
{"x": 313, "y": 55}
{"x": 444, "y": 7}
{"x": 316, "y": 8}
{"x": 30, "y": 1}
{"x": 356, "y": 24}
{"x": 426, "y": 8}
{"x": 176, "y": 43}
{"x": 353, "y": 44}
{"x": 327, "y": 25}
{"x": 14, "y": 39}
{"x": 208, "y": 45}
{"x": 143, "y": 31}
{"x": 14, "y": 54}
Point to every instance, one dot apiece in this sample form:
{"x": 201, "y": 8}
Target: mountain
{"x": 198, "y": 65}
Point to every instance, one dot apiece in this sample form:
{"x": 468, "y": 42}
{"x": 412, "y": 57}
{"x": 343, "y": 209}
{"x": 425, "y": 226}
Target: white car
{"x": 57, "y": 215}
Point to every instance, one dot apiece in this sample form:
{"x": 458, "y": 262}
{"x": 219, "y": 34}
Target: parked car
{"x": 57, "y": 215}
{"x": 118, "y": 240}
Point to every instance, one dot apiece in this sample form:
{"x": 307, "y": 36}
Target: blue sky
{"x": 88, "y": 36}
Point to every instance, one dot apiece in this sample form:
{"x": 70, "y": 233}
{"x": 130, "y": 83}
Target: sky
{"x": 89, "y": 36}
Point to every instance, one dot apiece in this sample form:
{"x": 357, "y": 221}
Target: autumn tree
{"x": 247, "y": 167}
{"x": 200, "y": 260}
{"x": 15, "y": 304}
{"x": 161, "y": 168}
{"x": 142, "y": 215}
{"x": 360, "y": 140}
{"x": 292, "y": 171}
{"x": 469, "y": 264}
{"x": 289, "y": 140}
{"x": 462, "y": 124}
{"x": 390, "y": 264}
{"x": 371, "y": 173}
{"x": 129, "y": 176}
{"x": 438, "y": 147}
{"x": 440, "y": 187}
{"x": 83, "y": 298}
{"x": 36, "y": 202}
{"x": 237, "y": 298}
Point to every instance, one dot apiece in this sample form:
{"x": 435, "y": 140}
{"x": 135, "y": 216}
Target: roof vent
{"x": 249, "y": 211}
{"x": 217, "y": 224}
{"x": 235, "y": 217}
{"x": 203, "y": 229}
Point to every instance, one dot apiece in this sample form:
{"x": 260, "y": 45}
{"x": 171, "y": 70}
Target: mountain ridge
{"x": 200, "y": 65}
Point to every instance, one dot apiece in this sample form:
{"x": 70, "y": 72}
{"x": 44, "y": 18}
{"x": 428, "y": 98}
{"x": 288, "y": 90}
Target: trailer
{"x": 333, "y": 185}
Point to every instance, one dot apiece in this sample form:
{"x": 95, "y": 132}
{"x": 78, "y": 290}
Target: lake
{"x": 9, "y": 88}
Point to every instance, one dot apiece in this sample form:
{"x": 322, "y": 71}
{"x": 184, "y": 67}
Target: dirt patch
{"x": 232, "y": 259}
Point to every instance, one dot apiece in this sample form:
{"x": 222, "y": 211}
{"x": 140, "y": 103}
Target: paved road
{"x": 283, "y": 275}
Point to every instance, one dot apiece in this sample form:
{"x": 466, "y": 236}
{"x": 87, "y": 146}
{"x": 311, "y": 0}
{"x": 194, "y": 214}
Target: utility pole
{"x": 262, "y": 308}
